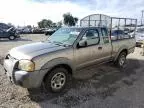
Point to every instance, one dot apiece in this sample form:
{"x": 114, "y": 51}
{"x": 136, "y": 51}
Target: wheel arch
{"x": 58, "y": 62}
{"x": 120, "y": 51}
{"x": 66, "y": 66}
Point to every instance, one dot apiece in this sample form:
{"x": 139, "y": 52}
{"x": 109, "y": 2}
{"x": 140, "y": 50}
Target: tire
{"x": 120, "y": 62}
{"x": 12, "y": 37}
{"x": 56, "y": 80}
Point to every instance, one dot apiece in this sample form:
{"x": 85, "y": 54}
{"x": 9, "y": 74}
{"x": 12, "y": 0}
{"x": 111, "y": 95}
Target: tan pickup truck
{"x": 53, "y": 61}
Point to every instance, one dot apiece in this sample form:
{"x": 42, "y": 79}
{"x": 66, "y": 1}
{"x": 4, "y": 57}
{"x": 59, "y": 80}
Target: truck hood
{"x": 32, "y": 50}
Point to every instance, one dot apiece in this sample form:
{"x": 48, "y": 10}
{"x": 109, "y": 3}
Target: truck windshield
{"x": 65, "y": 36}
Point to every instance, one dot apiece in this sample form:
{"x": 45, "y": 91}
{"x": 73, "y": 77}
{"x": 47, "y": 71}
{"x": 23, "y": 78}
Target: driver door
{"x": 84, "y": 56}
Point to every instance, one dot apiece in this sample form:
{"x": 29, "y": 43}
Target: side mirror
{"x": 82, "y": 43}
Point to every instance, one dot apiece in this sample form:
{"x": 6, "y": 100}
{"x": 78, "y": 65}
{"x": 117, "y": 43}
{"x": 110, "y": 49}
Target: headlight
{"x": 26, "y": 65}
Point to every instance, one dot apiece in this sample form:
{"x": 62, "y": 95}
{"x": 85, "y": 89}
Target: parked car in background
{"x": 26, "y": 31}
{"x": 50, "y": 31}
{"x": 139, "y": 37}
{"x": 4, "y": 26}
{"x": 19, "y": 31}
{"x": 37, "y": 31}
{"x": 10, "y": 33}
{"x": 119, "y": 34}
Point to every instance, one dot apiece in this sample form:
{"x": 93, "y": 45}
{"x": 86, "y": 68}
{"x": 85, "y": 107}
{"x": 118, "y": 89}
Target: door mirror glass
{"x": 91, "y": 37}
{"x": 83, "y": 42}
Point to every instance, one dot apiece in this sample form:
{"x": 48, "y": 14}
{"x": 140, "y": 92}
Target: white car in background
{"x": 139, "y": 36}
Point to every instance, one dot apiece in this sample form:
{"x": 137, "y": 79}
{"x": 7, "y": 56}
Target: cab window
{"x": 105, "y": 35}
{"x": 91, "y": 37}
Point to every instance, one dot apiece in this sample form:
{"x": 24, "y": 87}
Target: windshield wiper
{"x": 59, "y": 43}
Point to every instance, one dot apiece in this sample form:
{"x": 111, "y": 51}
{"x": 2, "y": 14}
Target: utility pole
{"x": 142, "y": 17}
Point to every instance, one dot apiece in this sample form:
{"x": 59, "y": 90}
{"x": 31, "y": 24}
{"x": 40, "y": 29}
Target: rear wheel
{"x": 12, "y": 37}
{"x": 121, "y": 59}
{"x": 56, "y": 80}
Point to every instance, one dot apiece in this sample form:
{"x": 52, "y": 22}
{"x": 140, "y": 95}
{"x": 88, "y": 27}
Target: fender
{"x": 52, "y": 63}
{"x": 57, "y": 61}
{"x": 120, "y": 50}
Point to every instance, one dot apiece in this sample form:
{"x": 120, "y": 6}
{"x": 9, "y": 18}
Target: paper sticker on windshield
{"x": 75, "y": 33}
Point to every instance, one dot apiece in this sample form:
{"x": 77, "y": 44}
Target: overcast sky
{"x": 24, "y": 12}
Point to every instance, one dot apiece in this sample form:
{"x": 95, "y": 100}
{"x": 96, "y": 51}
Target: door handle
{"x": 99, "y": 48}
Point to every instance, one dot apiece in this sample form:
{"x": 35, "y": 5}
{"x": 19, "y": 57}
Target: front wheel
{"x": 56, "y": 80}
{"x": 12, "y": 37}
{"x": 121, "y": 60}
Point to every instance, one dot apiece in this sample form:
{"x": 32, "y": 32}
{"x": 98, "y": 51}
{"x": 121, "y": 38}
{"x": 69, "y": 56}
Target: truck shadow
{"x": 100, "y": 81}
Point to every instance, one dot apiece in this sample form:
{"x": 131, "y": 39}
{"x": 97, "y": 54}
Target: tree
{"x": 69, "y": 20}
{"x": 54, "y": 25}
{"x": 40, "y": 25}
{"x": 59, "y": 24}
{"x": 29, "y": 26}
{"x": 75, "y": 20}
{"x": 45, "y": 23}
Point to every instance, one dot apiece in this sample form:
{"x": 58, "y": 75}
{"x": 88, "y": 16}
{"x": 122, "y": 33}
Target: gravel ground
{"x": 103, "y": 86}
